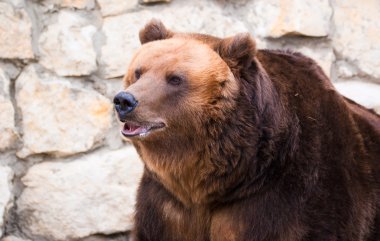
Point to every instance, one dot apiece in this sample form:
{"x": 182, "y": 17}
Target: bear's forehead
{"x": 176, "y": 52}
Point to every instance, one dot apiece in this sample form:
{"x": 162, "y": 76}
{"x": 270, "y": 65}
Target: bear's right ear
{"x": 154, "y": 30}
{"x": 237, "y": 51}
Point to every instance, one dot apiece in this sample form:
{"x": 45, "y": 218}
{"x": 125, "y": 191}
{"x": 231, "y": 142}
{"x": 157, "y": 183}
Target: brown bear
{"x": 241, "y": 144}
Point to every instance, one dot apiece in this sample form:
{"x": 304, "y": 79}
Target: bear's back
{"x": 306, "y": 91}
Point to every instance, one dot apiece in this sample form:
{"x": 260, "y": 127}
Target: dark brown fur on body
{"x": 273, "y": 154}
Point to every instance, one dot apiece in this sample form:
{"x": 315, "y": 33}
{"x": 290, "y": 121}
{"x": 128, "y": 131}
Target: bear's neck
{"x": 234, "y": 156}
{"x": 253, "y": 144}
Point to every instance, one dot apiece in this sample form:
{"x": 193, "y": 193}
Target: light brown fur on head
{"x": 205, "y": 66}
{"x": 207, "y": 84}
{"x": 205, "y": 75}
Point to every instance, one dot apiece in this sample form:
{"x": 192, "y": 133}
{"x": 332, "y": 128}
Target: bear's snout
{"x": 124, "y": 103}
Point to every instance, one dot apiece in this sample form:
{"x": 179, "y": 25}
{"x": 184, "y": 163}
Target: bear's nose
{"x": 124, "y": 104}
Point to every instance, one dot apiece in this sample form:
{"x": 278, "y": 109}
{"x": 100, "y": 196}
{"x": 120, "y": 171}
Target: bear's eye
{"x": 137, "y": 74}
{"x": 174, "y": 80}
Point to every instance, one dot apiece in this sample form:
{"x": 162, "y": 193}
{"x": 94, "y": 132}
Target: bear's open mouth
{"x": 131, "y": 129}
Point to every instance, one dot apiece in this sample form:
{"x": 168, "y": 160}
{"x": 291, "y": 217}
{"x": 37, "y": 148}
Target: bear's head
{"x": 197, "y": 108}
{"x": 176, "y": 83}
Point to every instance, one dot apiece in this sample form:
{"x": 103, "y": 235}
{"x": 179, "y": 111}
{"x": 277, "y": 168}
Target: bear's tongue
{"x": 131, "y": 129}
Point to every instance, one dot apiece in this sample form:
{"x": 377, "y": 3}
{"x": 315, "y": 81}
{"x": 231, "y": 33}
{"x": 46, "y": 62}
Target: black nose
{"x": 124, "y": 104}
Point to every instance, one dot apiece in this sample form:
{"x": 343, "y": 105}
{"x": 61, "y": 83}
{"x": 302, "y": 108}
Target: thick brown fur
{"x": 258, "y": 145}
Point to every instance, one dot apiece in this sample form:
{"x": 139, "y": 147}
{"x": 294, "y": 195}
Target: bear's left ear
{"x": 154, "y": 30}
{"x": 237, "y": 51}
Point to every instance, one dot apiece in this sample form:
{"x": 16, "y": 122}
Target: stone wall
{"x": 65, "y": 173}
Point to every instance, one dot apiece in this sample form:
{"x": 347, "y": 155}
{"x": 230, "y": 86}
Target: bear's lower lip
{"x": 131, "y": 129}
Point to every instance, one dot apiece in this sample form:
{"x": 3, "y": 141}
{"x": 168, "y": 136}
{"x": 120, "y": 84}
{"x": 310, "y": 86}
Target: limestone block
{"x": 366, "y": 94}
{"x": 93, "y": 194}
{"x": 7, "y": 123}
{"x": 276, "y": 18}
{"x": 345, "y": 70}
{"x": 66, "y": 47}
{"x": 78, "y": 4}
{"x": 115, "y": 7}
{"x": 59, "y": 118}
{"x": 357, "y": 36}
{"x": 6, "y": 176}
{"x": 155, "y": 1}
{"x": 14, "y": 238}
{"x": 15, "y": 33}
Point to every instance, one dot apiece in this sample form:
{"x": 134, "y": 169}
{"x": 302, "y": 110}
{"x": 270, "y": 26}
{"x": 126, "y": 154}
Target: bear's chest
{"x": 199, "y": 224}
{"x": 186, "y": 224}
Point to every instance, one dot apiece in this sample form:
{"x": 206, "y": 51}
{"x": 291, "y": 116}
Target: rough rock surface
{"x": 154, "y": 1}
{"x": 276, "y": 18}
{"x": 93, "y": 194}
{"x": 71, "y": 37}
{"x": 14, "y": 238}
{"x": 122, "y": 42}
{"x": 366, "y": 94}
{"x": 6, "y": 176}
{"x": 76, "y": 4}
{"x": 114, "y": 7}
{"x": 59, "y": 118}
{"x": 357, "y": 36}
{"x": 7, "y": 123}
{"x": 88, "y": 4}
{"x": 15, "y": 33}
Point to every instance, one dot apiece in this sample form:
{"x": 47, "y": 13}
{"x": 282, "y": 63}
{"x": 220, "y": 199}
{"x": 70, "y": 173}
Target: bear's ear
{"x": 154, "y": 30}
{"x": 237, "y": 51}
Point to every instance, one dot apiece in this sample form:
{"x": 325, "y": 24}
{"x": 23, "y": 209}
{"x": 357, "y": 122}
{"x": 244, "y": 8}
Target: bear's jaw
{"x": 134, "y": 129}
